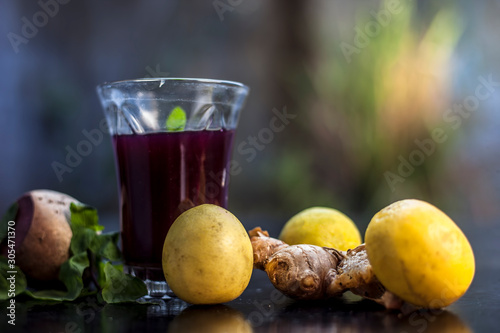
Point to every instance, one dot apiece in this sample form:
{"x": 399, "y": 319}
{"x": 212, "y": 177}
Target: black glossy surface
{"x": 262, "y": 309}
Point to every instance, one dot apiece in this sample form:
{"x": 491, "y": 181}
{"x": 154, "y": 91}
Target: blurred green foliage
{"x": 370, "y": 97}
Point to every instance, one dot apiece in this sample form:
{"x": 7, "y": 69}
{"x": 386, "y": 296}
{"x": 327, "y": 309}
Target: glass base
{"x": 154, "y": 279}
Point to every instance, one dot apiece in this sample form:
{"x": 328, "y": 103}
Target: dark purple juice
{"x": 160, "y": 176}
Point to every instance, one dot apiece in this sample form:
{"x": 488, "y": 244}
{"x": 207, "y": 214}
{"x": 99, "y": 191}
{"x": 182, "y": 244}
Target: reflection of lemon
{"x": 323, "y": 227}
{"x": 418, "y": 253}
{"x": 208, "y": 319}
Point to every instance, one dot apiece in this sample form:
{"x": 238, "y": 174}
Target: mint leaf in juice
{"x": 176, "y": 121}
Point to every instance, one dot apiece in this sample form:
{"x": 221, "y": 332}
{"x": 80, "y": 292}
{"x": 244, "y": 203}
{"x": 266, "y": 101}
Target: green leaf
{"x": 84, "y": 216}
{"x": 118, "y": 286}
{"x": 10, "y": 215}
{"x": 6, "y": 277}
{"x": 71, "y": 275}
{"x": 81, "y": 240}
{"x": 176, "y": 121}
{"x": 106, "y": 246}
{"x": 121, "y": 287}
{"x": 101, "y": 277}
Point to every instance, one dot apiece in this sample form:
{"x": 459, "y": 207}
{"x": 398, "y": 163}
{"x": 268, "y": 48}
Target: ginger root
{"x": 310, "y": 272}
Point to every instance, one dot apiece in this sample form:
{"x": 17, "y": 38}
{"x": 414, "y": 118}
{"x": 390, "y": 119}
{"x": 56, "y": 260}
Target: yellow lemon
{"x": 207, "y": 256}
{"x": 322, "y": 227}
{"x": 418, "y": 253}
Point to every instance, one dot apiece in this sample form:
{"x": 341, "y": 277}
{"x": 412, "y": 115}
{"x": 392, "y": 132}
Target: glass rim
{"x": 227, "y": 83}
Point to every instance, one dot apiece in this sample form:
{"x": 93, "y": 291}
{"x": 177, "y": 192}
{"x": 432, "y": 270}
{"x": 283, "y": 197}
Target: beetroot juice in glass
{"x": 172, "y": 140}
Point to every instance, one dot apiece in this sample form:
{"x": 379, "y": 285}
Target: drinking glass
{"x": 172, "y": 140}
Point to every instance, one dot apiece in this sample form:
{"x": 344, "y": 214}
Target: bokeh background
{"x": 390, "y": 99}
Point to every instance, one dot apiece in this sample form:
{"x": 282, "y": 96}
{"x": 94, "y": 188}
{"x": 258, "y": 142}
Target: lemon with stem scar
{"x": 321, "y": 226}
{"x": 418, "y": 253}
